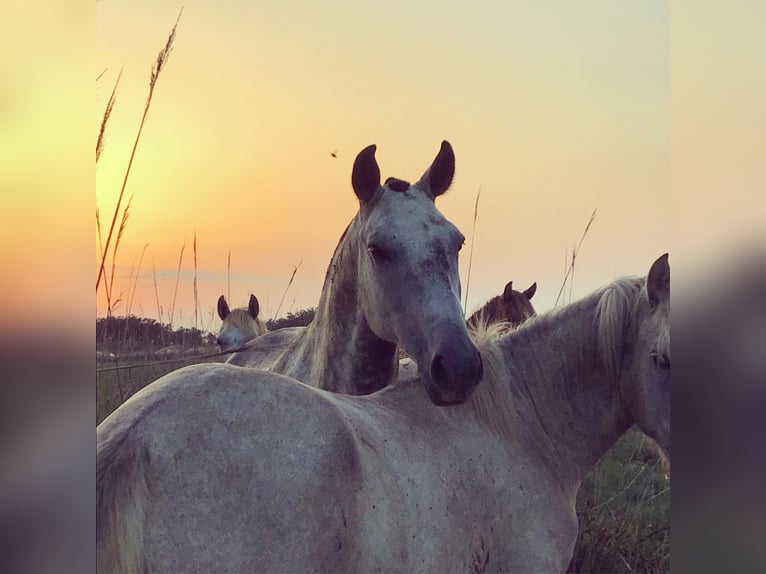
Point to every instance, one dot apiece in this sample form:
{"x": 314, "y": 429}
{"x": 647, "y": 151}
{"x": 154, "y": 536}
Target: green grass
{"x": 623, "y": 508}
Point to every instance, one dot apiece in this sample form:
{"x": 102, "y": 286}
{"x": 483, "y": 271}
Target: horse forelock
{"x": 492, "y": 401}
{"x": 396, "y": 184}
{"x": 241, "y": 320}
{"x": 616, "y": 315}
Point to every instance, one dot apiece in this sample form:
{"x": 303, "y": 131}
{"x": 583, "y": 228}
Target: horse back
{"x": 214, "y": 468}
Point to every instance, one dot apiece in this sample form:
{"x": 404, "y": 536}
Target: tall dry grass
{"x": 196, "y": 291}
{"x": 175, "y": 292}
{"x": 570, "y": 264}
{"x": 470, "y": 255}
{"x": 228, "y": 276}
{"x": 290, "y": 282}
{"x": 157, "y": 67}
{"x": 107, "y": 115}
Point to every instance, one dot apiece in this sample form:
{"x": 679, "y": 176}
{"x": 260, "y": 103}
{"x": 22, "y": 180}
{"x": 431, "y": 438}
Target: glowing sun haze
{"x": 553, "y": 109}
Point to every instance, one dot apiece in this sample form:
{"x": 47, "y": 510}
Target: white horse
{"x": 392, "y": 281}
{"x": 240, "y": 325}
{"x": 205, "y": 471}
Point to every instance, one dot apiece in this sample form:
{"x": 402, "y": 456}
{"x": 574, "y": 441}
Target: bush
{"x": 298, "y": 319}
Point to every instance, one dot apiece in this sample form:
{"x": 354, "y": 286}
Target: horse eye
{"x": 660, "y": 360}
{"x": 377, "y": 252}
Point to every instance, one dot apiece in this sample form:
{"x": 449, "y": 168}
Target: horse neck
{"x": 338, "y": 351}
{"x": 567, "y": 405}
{"x": 489, "y": 313}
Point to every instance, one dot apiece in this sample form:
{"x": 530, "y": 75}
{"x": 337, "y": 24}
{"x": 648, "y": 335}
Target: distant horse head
{"x": 512, "y": 306}
{"x": 407, "y": 273}
{"x": 239, "y": 325}
{"x": 645, "y": 374}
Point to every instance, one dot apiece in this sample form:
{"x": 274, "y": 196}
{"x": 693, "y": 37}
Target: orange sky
{"x": 553, "y": 109}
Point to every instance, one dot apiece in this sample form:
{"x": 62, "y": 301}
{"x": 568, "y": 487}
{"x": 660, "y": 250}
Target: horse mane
{"x": 492, "y": 401}
{"x": 617, "y": 307}
{"x": 616, "y": 313}
{"x": 483, "y": 317}
{"x": 500, "y": 308}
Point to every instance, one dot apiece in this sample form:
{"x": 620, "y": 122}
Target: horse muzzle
{"x": 453, "y": 374}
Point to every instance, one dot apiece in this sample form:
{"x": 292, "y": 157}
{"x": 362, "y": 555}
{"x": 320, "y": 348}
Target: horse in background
{"x": 512, "y": 306}
{"x": 239, "y": 325}
{"x": 218, "y": 468}
{"x": 508, "y": 310}
{"x": 392, "y": 282}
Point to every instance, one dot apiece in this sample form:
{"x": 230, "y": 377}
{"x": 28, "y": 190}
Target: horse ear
{"x": 365, "y": 176}
{"x": 530, "y": 292}
{"x": 253, "y": 307}
{"x": 223, "y": 308}
{"x": 508, "y": 291}
{"x": 658, "y": 281}
{"x": 437, "y": 178}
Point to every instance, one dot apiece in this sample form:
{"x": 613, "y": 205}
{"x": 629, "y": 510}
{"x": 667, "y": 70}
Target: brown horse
{"x": 511, "y": 306}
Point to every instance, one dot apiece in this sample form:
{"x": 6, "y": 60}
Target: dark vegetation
{"x": 297, "y": 319}
{"x": 120, "y": 335}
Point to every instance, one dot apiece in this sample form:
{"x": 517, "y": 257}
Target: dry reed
{"x": 295, "y": 270}
{"x": 178, "y": 277}
{"x": 109, "y": 287}
{"x": 159, "y": 307}
{"x": 470, "y": 256}
{"x": 196, "y": 292}
{"x": 107, "y": 115}
{"x": 575, "y": 251}
{"x": 159, "y": 64}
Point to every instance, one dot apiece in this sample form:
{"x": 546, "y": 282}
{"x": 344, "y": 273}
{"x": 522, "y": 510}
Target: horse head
{"x": 407, "y": 266}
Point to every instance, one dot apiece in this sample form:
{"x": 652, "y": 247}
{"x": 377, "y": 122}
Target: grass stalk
{"x": 295, "y": 270}
{"x": 135, "y": 280}
{"x": 470, "y": 256}
{"x": 570, "y": 270}
{"x": 228, "y": 276}
{"x": 111, "y": 304}
{"x": 178, "y": 277}
{"x": 159, "y": 64}
{"x": 159, "y": 307}
{"x": 107, "y": 115}
{"x": 196, "y": 292}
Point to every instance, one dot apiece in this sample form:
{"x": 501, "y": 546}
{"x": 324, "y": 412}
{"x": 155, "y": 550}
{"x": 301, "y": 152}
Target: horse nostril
{"x": 439, "y": 370}
{"x": 219, "y": 343}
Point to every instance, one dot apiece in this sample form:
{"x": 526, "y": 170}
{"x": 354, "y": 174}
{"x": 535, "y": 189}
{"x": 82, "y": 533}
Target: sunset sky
{"x": 553, "y": 109}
